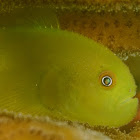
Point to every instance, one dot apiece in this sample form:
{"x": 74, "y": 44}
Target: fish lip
{"x": 126, "y": 100}
{"x": 135, "y": 96}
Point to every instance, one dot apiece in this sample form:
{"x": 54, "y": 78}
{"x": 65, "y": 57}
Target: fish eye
{"x": 107, "y": 81}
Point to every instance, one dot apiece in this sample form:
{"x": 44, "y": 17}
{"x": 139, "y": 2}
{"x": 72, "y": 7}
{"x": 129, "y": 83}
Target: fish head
{"x": 92, "y": 85}
{"x": 107, "y": 94}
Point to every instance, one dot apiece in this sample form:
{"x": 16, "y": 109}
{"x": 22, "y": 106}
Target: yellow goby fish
{"x": 50, "y": 72}
{"x": 64, "y": 75}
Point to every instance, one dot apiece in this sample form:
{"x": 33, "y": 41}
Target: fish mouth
{"x": 129, "y": 99}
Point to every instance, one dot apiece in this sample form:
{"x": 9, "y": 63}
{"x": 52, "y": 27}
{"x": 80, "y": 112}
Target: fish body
{"x": 64, "y": 75}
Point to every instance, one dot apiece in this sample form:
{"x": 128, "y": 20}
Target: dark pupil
{"x": 107, "y": 81}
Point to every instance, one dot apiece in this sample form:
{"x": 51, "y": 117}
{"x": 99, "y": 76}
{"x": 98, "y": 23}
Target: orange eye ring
{"x": 107, "y": 79}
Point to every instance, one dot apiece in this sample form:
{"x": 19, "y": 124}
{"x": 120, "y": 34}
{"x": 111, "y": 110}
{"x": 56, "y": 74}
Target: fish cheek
{"x": 54, "y": 89}
{"x": 108, "y": 94}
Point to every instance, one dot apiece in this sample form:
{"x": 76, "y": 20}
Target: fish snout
{"x": 128, "y": 99}
{"x": 137, "y": 117}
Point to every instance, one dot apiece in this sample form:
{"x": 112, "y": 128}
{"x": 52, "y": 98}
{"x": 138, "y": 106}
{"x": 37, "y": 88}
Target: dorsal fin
{"x": 38, "y": 18}
{"x": 43, "y": 18}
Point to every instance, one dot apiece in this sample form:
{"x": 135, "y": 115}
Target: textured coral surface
{"x": 115, "y": 30}
{"x": 113, "y": 23}
{"x": 27, "y": 129}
